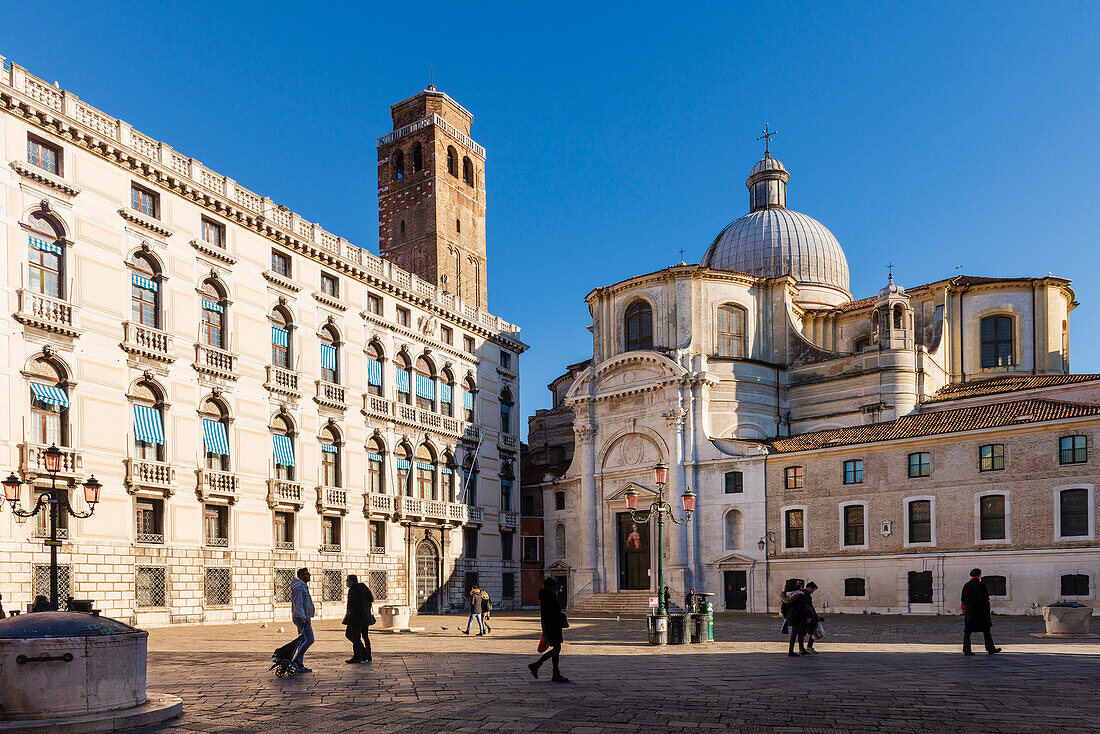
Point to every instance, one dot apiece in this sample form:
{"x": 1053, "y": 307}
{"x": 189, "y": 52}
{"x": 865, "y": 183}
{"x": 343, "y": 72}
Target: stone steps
{"x": 614, "y": 603}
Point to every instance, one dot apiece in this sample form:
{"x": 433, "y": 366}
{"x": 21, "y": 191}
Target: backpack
{"x": 488, "y": 602}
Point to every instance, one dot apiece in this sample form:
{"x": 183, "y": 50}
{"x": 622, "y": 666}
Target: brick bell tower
{"x": 431, "y": 195}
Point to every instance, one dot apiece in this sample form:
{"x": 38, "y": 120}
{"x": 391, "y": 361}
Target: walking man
{"x": 553, "y": 621}
{"x": 301, "y": 612}
{"x": 357, "y": 619}
{"x": 977, "y": 616}
{"x": 475, "y": 604}
{"x": 812, "y": 617}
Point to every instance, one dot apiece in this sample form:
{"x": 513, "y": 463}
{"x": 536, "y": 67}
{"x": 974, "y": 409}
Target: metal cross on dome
{"x": 767, "y": 138}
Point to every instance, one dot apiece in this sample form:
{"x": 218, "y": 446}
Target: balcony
{"x": 507, "y": 441}
{"x": 332, "y": 499}
{"x": 215, "y": 362}
{"x": 284, "y": 545}
{"x": 380, "y": 504}
{"x": 32, "y": 460}
{"x": 146, "y": 474}
{"x": 215, "y": 484}
{"x": 146, "y": 341}
{"x": 509, "y": 519}
{"x": 427, "y": 419}
{"x": 331, "y": 395}
{"x": 150, "y": 538}
{"x": 51, "y": 314}
{"x": 282, "y": 381}
{"x": 283, "y": 492}
{"x": 217, "y": 542}
{"x": 377, "y": 407}
{"x": 455, "y": 512}
{"x": 331, "y": 548}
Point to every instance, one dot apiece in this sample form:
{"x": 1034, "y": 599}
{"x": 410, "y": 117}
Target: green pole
{"x": 661, "y": 611}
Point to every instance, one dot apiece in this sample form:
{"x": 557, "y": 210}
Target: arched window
{"x": 477, "y": 282}
{"x": 452, "y": 161}
{"x": 147, "y": 405}
{"x": 450, "y": 485}
{"x": 330, "y": 355}
{"x": 402, "y": 226}
{"x": 374, "y": 369}
{"x": 507, "y": 475}
{"x": 213, "y": 315}
{"x": 45, "y": 257}
{"x": 997, "y": 341}
{"x": 282, "y": 438}
{"x": 638, "y": 326}
{"x": 281, "y": 329}
{"x": 49, "y": 404}
{"x": 446, "y": 393}
{"x": 145, "y": 292}
{"x": 403, "y": 463}
{"x": 376, "y": 467}
{"x": 559, "y": 541}
{"x": 418, "y": 158}
{"x": 399, "y": 166}
{"x": 735, "y": 530}
{"x": 401, "y": 370}
{"x": 425, "y": 385}
{"x": 469, "y": 481}
{"x": 469, "y": 399}
{"x": 506, "y": 404}
{"x": 215, "y": 434}
{"x": 899, "y": 314}
{"x": 731, "y": 331}
{"x": 330, "y": 458}
{"x": 425, "y": 473}
{"x": 467, "y": 171}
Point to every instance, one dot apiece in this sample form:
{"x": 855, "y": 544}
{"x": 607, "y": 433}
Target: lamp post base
{"x": 658, "y": 629}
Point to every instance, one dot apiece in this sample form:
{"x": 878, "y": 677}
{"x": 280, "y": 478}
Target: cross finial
{"x": 959, "y": 269}
{"x": 681, "y": 254}
{"x": 890, "y": 267}
{"x": 767, "y": 138}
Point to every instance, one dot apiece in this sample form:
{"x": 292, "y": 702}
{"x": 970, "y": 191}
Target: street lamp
{"x": 659, "y": 509}
{"x": 765, "y": 539}
{"x": 13, "y": 486}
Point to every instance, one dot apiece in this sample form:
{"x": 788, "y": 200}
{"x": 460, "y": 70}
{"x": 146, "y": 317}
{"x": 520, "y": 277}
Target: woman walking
{"x": 487, "y": 609}
{"x": 793, "y": 608}
{"x": 553, "y": 621}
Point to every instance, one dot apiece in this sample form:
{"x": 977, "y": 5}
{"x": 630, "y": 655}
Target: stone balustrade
{"x": 32, "y": 460}
{"x": 214, "y": 361}
{"x": 332, "y": 498}
{"x": 378, "y": 407}
{"x": 284, "y": 492}
{"x": 331, "y": 394}
{"x": 282, "y": 381}
{"x": 509, "y": 519}
{"x": 51, "y": 314}
{"x": 214, "y": 484}
{"x": 148, "y": 474}
{"x": 147, "y": 341}
{"x": 380, "y": 504}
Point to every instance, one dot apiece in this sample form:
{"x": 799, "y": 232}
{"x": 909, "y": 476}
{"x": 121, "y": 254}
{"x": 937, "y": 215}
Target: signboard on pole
{"x": 653, "y": 602}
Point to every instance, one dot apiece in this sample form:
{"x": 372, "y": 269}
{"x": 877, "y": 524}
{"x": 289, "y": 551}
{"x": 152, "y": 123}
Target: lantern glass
{"x": 760, "y": 544}
{"x": 52, "y": 458}
{"x": 12, "y": 485}
{"x": 689, "y": 501}
{"x": 631, "y": 499}
{"x": 91, "y": 490}
{"x": 660, "y": 473}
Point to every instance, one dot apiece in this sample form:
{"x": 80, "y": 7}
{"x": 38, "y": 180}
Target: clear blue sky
{"x": 618, "y": 134}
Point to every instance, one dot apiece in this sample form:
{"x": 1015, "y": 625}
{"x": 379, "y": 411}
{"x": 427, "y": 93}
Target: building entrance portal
{"x": 633, "y": 553}
{"x": 427, "y": 579}
{"x": 737, "y": 596}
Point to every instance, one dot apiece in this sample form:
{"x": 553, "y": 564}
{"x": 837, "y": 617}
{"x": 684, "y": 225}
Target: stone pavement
{"x": 874, "y": 674}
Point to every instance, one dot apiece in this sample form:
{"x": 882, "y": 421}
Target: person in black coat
{"x": 977, "y": 616}
{"x": 357, "y": 619}
{"x": 553, "y": 621}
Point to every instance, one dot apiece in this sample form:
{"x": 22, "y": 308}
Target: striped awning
{"x": 402, "y": 380}
{"x": 328, "y": 357}
{"x": 141, "y": 282}
{"x": 374, "y": 372}
{"x": 329, "y": 448}
{"x": 214, "y": 437}
{"x": 403, "y": 464}
{"x": 44, "y": 245}
{"x": 467, "y": 400}
{"x": 425, "y": 387}
{"x": 211, "y": 305}
{"x": 50, "y": 395}
{"x": 424, "y": 466}
{"x": 445, "y": 392}
{"x": 280, "y": 337}
{"x": 374, "y": 457}
{"x": 147, "y": 425}
{"x": 284, "y": 452}
{"x": 447, "y": 470}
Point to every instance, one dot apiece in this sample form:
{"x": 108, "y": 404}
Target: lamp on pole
{"x": 659, "y": 509}
{"x": 13, "y": 488}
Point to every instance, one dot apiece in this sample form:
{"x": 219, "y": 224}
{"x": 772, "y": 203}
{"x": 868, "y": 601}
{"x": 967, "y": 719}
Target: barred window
{"x": 219, "y": 587}
{"x": 377, "y": 582}
{"x": 996, "y": 585}
{"x": 1075, "y": 584}
{"x": 40, "y": 581}
{"x": 152, "y": 586}
{"x": 332, "y": 586}
{"x": 855, "y": 587}
{"x": 284, "y": 577}
{"x": 920, "y": 521}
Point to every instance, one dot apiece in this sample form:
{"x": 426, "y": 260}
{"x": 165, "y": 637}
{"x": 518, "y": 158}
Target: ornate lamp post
{"x": 659, "y": 509}
{"x": 12, "y": 489}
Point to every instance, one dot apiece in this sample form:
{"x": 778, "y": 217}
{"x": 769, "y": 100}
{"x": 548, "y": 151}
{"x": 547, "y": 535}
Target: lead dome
{"x": 772, "y": 241}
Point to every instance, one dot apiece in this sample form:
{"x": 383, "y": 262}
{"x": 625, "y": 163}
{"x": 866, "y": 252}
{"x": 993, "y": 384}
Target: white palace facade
{"x": 255, "y": 393}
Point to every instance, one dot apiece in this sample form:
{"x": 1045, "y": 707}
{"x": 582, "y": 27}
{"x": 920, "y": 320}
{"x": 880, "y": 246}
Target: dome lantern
{"x": 767, "y": 184}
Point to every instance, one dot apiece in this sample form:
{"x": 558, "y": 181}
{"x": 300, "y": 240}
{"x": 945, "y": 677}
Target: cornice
{"x": 273, "y": 277}
{"x": 215, "y": 252}
{"x": 328, "y": 300}
{"x": 43, "y": 177}
{"x": 143, "y": 221}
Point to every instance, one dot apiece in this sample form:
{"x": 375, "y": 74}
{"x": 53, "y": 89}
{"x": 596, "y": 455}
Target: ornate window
{"x": 731, "y": 331}
{"x": 147, "y": 404}
{"x": 282, "y": 437}
{"x": 506, "y": 404}
{"x": 996, "y": 332}
{"x": 425, "y": 473}
{"x": 376, "y": 466}
{"x": 215, "y": 434}
{"x": 446, "y": 393}
{"x": 404, "y": 465}
{"x": 330, "y": 355}
{"x": 49, "y": 398}
{"x": 638, "y": 326}
{"x": 281, "y": 330}
{"x": 145, "y": 292}
{"x": 374, "y": 369}
{"x": 450, "y": 482}
{"x": 425, "y": 385}
{"x": 330, "y": 458}
{"x": 214, "y": 302}
{"x": 506, "y": 477}
{"x": 735, "y": 530}
{"x": 469, "y": 399}
{"x": 401, "y": 370}
{"x": 45, "y": 257}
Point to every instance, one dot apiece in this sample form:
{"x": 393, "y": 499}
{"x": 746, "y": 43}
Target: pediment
{"x": 735, "y": 559}
{"x": 633, "y": 370}
{"x": 620, "y": 494}
{"x": 631, "y": 451}
{"x": 559, "y": 566}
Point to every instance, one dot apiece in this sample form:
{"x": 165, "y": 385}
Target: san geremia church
{"x": 254, "y": 392}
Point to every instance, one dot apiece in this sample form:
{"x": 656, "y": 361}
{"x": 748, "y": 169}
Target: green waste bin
{"x": 709, "y": 621}
{"x": 677, "y": 629}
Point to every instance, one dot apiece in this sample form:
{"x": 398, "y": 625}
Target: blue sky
{"x": 618, "y": 134}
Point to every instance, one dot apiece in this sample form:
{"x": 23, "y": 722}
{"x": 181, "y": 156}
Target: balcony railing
{"x": 215, "y": 361}
{"x": 331, "y": 548}
{"x": 151, "y": 538}
{"x": 380, "y": 504}
{"x": 438, "y": 510}
{"x": 507, "y": 440}
{"x": 32, "y": 460}
{"x": 379, "y": 407}
{"x": 475, "y": 514}
{"x": 282, "y": 381}
{"x": 284, "y": 492}
{"x": 378, "y": 550}
{"x": 284, "y": 545}
{"x": 332, "y": 498}
{"x": 509, "y": 519}
{"x": 332, "y": 395}
{"x": 217, "y": 542}
{"x": 218, "y": 484}
{"x": 147, "y": 341}
{"x": 46, "y": 312}
{"x": 146, "y": 474}
{"x": 43, "y": 531}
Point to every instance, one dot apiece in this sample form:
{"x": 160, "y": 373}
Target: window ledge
{"x": 54, "y": 181}
{"x": 281, "y": 280}
{"x": 215, "y": 252}
{"x": 144, "y": 221}
{"x": 329, "y": 301}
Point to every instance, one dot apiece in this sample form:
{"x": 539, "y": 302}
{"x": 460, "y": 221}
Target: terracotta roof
{"x": 534, "y": 473}
{"x": 1005, "y": 383}
{"x": 956, "y": 281}
{"x": 1011, "y": 413}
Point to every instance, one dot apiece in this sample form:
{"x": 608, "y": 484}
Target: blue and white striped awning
{"x": 467, "y": 400}
{"x": 425, "y": 387}
{"x": 147, "y": 425}
{"x": 374, "y": 457}
{"x": 447, "y": 470}
{"x": 214, "y": 438}
{"x": 403, "y": 464}
{"x": 280, "y": 337}
{"x": 211, "y": 305}
{"x": 329, "y": 448}
{"x": 284, "y": 451}
{"x": 424, "y": 466}
{"x": 50, "y": 395}
{"x": 445, "y": 392}
{"x": 328, "y": 357}
{"x": 374, "y": 372}
{"x": 402, "y": 380}
{"x": 141, "y": 282}
{"x": 44, "y": 245}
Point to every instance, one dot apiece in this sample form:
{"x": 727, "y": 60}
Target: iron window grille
{"x": 218, "y": 587}
{"x": 377, "y": 582}
{"x": 855, "y": 587}
{"x": 1075, "y": 584}
{"x": 332, "y": 586}
{"x": 151, "y": 586}
{"x": 40, "y": 581}
{"x": 920, "y": 521}
{"x": 996, "y": 585}
{"x": 284, "y": 577}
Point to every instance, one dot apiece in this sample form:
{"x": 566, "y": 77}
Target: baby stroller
{"x": 282, "y": 659}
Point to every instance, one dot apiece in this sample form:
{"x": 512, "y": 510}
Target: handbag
{"x": 784, "y": 629}
{"x": 564, "y": 622}
{"x": 542, "y": 646}
{"x": 346, "y": 620}
{"x": 371, "y": 620}
{"x": 819, "y": 631}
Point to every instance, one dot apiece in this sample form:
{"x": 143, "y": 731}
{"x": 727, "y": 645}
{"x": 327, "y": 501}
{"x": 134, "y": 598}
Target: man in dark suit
{"x": 357, "y": 620}
{"x": 976, "y": 613}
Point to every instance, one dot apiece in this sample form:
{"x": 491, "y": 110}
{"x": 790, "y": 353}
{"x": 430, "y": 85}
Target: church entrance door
{"x": 427, "y": 579}
{"x": 633, "y": 553}
{"x": 737, "y": 596}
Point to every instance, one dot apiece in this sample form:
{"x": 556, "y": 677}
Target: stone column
{"x": 588, "y": 571}
{"x": 677, "y": 480}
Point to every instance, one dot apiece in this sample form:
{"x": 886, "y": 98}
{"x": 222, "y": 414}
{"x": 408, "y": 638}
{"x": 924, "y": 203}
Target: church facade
{"x": 254, "y": 392}
{"x": 881, "y": 446}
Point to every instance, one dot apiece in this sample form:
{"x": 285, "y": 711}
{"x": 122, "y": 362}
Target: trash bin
{"x": 697, "y": 624}
{"x": 651, "y": 625}
{"x": 677, "y": 629}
